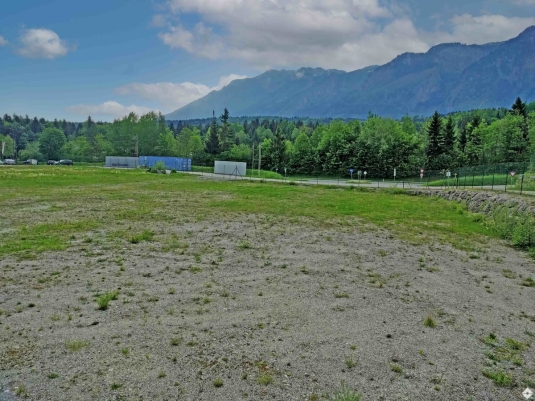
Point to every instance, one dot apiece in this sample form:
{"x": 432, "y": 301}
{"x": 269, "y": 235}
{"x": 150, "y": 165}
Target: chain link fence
{"x": 497, "y": 177}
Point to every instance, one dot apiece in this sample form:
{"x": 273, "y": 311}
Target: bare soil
{"x": 275, "y": 311}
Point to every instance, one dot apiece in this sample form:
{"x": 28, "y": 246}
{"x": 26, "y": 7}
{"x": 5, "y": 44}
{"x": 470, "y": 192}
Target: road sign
{"x": 527, "y": 393}
{"x": 394, "y": 172}
{"x": 421, "y": 171}
{"x": 448, "y": 174}
{"x": 351, "y": 170}
{"x": 513, "y": 173}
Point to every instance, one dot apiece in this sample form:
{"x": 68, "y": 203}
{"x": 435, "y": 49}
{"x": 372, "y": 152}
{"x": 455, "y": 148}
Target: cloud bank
{"x": 344, "y": 34}
{"x": 109, "y": 109}
{"x": 170, "y": 96}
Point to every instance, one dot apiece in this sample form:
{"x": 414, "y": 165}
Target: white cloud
{"x": 344, "y": 34}
{"x": 279, "y": 32}
{"x": 172, "y": 96}
{"x": 42, "y": 43}
{"x": 108, "y": 109}
{"x": 3, "y": 42}
{"x": 484, "y": 29}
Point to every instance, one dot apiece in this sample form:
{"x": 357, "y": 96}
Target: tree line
{"x": 305, "y": 147}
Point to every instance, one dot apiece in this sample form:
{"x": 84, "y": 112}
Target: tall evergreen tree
{"x": 226, "y": 137}
{"x": 519, "y": 108}
{"x": 463, "y": 139}
{"x": 278, "y": 150}
{"x": 435, "y": 139}
{"x": 35, "y": 126}
{"x": 212, "y": 142}
{"x": 449, "y": 136}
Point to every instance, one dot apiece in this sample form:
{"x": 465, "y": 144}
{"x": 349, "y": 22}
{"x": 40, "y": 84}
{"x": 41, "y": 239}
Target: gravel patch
{"x": 253, "y": 308}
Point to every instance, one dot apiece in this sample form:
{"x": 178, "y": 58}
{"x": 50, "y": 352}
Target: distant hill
{"x": 449, "y": 77}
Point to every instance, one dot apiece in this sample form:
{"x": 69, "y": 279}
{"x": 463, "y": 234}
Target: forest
{"x": 303, "y": 146}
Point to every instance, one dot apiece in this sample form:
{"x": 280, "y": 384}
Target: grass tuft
{"x": 104, "y": 300}
{"x": 430, "y": 322}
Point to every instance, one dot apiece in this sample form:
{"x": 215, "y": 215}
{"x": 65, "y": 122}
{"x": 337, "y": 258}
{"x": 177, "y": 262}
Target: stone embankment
{"x": 483, "y": 202}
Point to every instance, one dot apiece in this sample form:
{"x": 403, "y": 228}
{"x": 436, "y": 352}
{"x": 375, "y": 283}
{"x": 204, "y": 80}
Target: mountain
{"x": 449, "y": 77}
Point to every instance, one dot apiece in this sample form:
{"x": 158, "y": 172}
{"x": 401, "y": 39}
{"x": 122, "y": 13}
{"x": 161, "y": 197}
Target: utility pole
{"x": 137, "y": 145}
{"x": 259, "y": 158}
{"x": 252, "y": 163}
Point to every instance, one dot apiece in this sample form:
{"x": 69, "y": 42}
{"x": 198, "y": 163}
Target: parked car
{"x": 10, "y": 162}
{"x": 33, "y": 162}
{"x": 66, "y": 162}
{"x": 52, "y": 162}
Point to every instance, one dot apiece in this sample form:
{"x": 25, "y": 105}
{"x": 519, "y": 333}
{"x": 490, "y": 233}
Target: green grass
{"x": 76, "y": 345}
{"x": 345, "y": 394}
{"x": 144, "y": 236}
{"x": 500, "y": 378}
{"x": 499, "y": 179}
{"x": 265, "y": 379}
{"x": 105, "y": 299}
{"x": 430, "y": 322}
{"x": 109, "y": 196}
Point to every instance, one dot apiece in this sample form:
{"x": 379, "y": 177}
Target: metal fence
{"x": 497, "y": 177}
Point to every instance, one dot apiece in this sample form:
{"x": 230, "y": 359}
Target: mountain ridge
{"x": 448, "y": 77}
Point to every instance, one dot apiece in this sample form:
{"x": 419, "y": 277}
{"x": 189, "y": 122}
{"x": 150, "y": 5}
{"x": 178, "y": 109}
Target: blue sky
{"x": 68, "y": 59}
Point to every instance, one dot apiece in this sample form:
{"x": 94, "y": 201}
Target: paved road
{"x": 369, "y": 184}
{"x": 312, "y": 181}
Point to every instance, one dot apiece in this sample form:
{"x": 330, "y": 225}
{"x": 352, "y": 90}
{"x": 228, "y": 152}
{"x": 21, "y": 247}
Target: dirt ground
{"x": 255, "y": 308}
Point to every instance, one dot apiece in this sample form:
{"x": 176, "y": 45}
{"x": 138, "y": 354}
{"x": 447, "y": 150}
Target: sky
{"x": 105, "y": 58}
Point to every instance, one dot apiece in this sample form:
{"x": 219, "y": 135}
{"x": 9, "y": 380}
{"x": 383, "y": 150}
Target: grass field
{"x": 119, "y": 284}
{"x": 477, "y": 181}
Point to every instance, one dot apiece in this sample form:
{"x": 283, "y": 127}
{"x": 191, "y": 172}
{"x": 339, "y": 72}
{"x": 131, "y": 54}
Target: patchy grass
{"x": 76, "y": 345}
{"x": 144, "y": 236}
{"x": 418, "y": 219}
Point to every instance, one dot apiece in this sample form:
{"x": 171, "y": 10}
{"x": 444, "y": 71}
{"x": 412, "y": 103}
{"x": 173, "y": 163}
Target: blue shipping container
{"x": 171, "y": 163}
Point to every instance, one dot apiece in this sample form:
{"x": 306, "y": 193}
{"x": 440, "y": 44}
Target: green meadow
{"x": 44, "y": 206}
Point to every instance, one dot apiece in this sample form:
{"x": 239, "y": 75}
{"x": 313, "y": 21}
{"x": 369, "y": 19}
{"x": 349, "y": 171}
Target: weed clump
{"x": 146, "y": 235}
{"x": 345, "y": 394}
{"x": 76, "y": 345}
{"x": 501, "y": 378}
{"x": 430, "y": 322}
{"x": 105, "y": 299}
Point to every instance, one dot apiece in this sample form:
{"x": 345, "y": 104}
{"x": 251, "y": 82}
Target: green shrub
{"x": 159, "y": 166}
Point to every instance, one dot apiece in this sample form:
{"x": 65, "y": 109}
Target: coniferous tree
{"x": 278, "y": 150}
{"x": 436, "y": 140}
{"x": 212, "y": 143}
{"x": 35, "y": 126}
{"x": 226, "y": 136}
{"x": 449, "y": 136}
{"x": 519, "y": 108}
